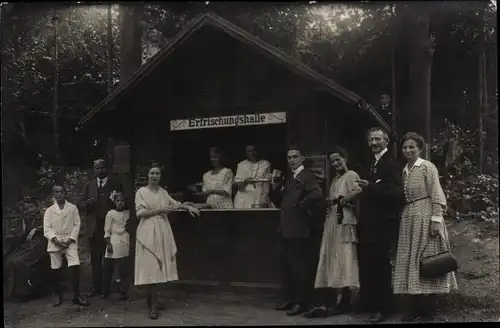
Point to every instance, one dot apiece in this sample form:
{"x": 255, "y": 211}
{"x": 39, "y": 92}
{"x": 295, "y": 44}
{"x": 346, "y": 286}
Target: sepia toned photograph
{"x": 225, "y": 163}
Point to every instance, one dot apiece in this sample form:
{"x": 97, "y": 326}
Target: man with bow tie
{"x": 61, "y": 226}
{"x": 299, "y": 198}
{"x": 97, "y": 203}
{"x": 382, "y": 198}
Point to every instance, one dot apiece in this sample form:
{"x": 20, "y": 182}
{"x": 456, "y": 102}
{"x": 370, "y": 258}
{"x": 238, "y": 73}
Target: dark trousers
{"x": 97, "y": 248}
{"x": 296, "y": 258}
{"x": 375, "y": 274}
{"x": 123, "y": 269}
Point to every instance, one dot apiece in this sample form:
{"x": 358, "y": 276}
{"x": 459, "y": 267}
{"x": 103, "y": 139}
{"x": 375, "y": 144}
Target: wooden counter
{"x": 228, "y": 247}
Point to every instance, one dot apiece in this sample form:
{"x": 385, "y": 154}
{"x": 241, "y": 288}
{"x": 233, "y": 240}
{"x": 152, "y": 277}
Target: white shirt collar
{"x": 104, "y": 180}
{"x": 417, "y": 163}
{"x": 297, "y": 171}
{"x": 379, "y": 155}
{"x": 56, "y": 207}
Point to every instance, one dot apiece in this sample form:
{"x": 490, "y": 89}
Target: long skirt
{"x": 155, "y": 252}
{"x": 338, "y": 260}
{"x": 413, "y": 238}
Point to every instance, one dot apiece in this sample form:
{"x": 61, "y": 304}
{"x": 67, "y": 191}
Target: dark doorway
{"x": 191, "y": 149}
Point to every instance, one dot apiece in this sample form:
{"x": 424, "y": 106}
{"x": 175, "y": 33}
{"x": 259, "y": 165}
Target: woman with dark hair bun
{"x": 218, "y": 182}
{"x": 422, "y": 231}
{"x": 155, "y": 250}
{"x": 338, "y": 262}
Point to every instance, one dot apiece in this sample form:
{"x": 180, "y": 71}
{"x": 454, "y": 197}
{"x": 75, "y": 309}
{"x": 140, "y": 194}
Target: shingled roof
{"x": 210, "y": 19}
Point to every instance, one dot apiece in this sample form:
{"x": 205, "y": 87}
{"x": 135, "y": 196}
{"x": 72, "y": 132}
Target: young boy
{"x": 61, "y": 226}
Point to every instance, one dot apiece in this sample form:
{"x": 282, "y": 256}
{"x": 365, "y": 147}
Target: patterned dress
{"x": 223, "y": 180}
{"x": 425, "y": 200}
{"x": 155, "y": 249}
{"x": 255, "y": 193}
{"x": 338, "y": 260}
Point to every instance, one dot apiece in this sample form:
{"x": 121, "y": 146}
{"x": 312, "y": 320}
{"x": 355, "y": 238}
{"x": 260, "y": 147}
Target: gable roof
{"x": 210, "y": 19}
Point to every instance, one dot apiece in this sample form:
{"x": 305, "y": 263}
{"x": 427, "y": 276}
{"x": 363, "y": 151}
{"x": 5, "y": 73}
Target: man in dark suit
{"x": 298, "y": 198}
{"x": 96, "y": 204}
{"x": 384, "y": 108}
{"x": 381, "y": 201}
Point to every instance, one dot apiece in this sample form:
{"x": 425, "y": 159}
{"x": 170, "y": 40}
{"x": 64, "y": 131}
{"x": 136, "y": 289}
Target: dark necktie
{"x": 372, "y": 167}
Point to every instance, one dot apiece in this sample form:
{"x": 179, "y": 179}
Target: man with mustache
{"x": 97, "y": 203}
{"x": 382, "y": 198}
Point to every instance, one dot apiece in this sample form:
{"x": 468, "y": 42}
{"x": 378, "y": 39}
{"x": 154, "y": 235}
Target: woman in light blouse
{"x": 218, "y": 182}
{"x": 250, "y": 193}
{"x": 422, "y": 231}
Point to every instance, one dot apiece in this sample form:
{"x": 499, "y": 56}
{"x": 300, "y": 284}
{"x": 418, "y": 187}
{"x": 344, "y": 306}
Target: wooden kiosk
{"x": 217, "y": 85}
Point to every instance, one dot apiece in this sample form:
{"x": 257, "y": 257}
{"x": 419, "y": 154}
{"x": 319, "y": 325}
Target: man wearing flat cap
{"x": 96, "y": 204}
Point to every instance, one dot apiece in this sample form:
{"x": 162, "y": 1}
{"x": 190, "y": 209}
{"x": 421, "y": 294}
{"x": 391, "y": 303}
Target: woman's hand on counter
{"x": 193, "y": 211}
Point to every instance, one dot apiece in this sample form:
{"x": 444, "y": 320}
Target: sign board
{"x": 228, "y": 121}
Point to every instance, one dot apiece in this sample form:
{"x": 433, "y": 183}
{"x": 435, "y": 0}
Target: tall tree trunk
{"x": 55, "y": 22}
{"x": 421, "y": 50}
{"x": 110, "y": 49}
{"x": 131, "y": 15}
{"x": 482, "y": 90}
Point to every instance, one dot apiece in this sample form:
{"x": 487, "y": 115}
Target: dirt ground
{"x": 182, "y": 310}
{"x": 475, "y": 244}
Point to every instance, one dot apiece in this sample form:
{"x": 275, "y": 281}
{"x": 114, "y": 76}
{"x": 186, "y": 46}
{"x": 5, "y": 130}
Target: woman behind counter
{"x": 250, "y": 193}
{"x": 218, "y": 182}
{"x": 155, "y": 250}
{"x": 422, "y": 231}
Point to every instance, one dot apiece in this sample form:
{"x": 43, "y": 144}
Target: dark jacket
{"x": 301, "y": 202}
{"x": 95, "y": 213}
{"x": 381, "y": 203}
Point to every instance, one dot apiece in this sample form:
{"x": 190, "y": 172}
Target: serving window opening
{"x": 190, "y": 149}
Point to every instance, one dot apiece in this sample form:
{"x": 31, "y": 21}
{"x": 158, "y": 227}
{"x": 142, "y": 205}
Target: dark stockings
{"x": 345, "y": 302}
{"x": 421, "y": 306}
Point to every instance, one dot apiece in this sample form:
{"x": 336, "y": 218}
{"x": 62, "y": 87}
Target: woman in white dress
{"x": 155, "y": 251}
{"x": 338, "y": 261}
{"x": 250, "y": 193}
{"x": 422, "y": 232}
{"x": 218, "y": 182}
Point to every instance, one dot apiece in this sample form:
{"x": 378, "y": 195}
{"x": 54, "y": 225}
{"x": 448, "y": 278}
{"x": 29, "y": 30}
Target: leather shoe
{"x": 285, "y": 306}
{"x": 296, "y": 310}
{"x": 410, "y": 317}
{"x": 93, "y": 292}
{"x": 377, "y": 318}
{"x": 153, "y": 313}
{"x": 78, "y": 300}
{"x": 317, "y": 312}
{"x": 57, "y": 300}
{"x": 341, "y": 309}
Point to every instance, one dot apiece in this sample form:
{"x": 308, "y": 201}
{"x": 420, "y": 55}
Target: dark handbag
{"x": 438, "y": 265}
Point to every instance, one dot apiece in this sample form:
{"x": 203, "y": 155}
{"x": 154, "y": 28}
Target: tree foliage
{"x": 350, "y": 43}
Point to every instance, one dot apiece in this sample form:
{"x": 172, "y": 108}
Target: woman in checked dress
{"x": 155, "y": 249}
{"x": 421, "y": 225}
{"x": 338, "y": 261}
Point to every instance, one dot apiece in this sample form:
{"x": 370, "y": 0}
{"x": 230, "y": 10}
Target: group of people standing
{"x": 377, "y": 229}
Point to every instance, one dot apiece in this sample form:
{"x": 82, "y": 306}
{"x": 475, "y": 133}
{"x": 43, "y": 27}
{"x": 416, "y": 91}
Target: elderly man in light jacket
{"x": 61, "y": 226}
